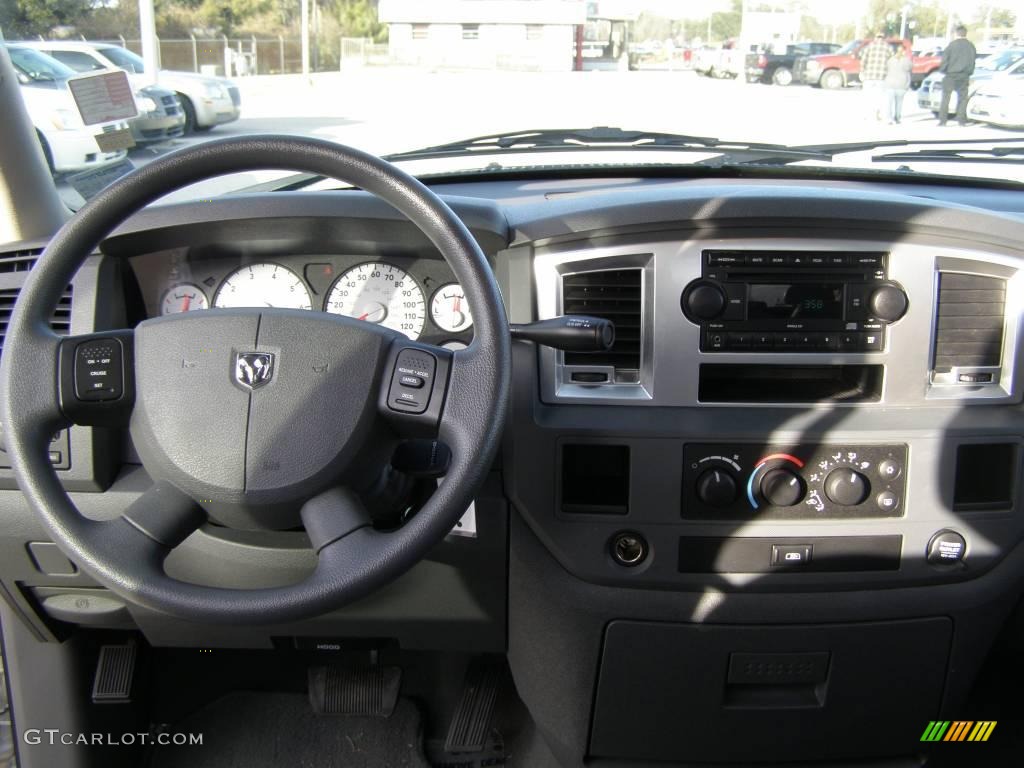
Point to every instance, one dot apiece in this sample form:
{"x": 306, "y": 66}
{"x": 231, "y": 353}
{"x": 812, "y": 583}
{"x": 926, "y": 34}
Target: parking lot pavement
{"x": 384, "y": 110}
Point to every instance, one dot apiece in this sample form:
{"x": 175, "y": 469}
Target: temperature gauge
{"x": 449, "y": 309}
{"x": 183, "y": 297}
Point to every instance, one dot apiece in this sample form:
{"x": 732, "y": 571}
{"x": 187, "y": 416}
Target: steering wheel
{"x": 254, "y": 418}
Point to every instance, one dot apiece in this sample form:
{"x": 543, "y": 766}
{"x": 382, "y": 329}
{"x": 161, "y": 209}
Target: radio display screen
{"x": 784, "y": 301}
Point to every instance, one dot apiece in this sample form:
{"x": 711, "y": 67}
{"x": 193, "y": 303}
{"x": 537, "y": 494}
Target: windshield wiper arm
{"x": 601, "y": 138}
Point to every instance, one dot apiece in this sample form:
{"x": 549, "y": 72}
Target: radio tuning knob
{"x": 888, "y": 303}
{"x": 703, "y": 300}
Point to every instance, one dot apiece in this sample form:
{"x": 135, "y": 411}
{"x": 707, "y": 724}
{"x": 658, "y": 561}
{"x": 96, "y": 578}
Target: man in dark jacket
{"x": 957, "y": 66}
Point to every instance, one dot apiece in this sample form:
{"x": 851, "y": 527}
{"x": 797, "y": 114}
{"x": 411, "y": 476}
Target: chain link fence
{"x": 239, "y": 57}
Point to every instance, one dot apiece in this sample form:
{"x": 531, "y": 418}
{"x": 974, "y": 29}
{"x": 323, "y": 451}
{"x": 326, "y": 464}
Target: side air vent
{"x": 19, "y": 261}
{"x": 60, "y": 322}
{"x": 616, "y": 295}
{"x": 969, "y": 326}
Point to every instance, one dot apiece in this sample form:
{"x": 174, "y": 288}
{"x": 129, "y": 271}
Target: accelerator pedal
{"x": 368, "y": 691}
{"x": 471, "y": 725}
{"x": 115, "y": 671}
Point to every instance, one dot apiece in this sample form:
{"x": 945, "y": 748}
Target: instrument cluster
{"x": 414, "y": 296}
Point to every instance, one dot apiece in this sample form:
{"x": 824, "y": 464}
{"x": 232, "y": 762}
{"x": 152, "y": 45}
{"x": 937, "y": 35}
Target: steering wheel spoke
{"x": 96, "y": 378}
{"x": 165, "y": 514}
{"x": 414, "y": 387}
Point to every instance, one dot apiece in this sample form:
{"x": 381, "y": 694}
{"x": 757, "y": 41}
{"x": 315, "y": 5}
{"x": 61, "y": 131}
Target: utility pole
{"x": 305, "y": 36}
{"x": 147, "y": 33}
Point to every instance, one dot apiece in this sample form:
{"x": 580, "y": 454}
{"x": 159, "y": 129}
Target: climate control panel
{"x": 723, "y": 481}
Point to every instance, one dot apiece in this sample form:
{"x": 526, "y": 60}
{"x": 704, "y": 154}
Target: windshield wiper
{"x": 965, "y": 155}
{"x": 601, "y": 138}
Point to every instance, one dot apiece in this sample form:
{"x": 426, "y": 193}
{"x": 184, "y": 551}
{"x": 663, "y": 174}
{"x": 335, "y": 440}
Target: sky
{"x": 826, "y": 11}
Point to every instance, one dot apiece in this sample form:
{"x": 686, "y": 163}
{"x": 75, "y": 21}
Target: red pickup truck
{"x": 839, "y": 69}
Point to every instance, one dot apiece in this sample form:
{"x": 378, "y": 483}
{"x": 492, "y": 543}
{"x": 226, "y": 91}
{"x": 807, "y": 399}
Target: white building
{"x": 506, "y": 34}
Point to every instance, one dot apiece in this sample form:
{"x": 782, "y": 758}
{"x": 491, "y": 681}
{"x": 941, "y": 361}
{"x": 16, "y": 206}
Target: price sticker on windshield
{"x": 103, "y": 97}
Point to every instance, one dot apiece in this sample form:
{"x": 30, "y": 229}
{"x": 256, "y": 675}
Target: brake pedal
{"x": 367, "y": 691}
{"x": 115, "y": 671}
{"x": 471, "y": 723}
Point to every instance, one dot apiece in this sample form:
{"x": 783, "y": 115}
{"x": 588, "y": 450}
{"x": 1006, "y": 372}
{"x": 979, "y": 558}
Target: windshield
{"x": 125, "y": 59}
{"x": 592, "y": 86}
{"x": 38, "y": 67}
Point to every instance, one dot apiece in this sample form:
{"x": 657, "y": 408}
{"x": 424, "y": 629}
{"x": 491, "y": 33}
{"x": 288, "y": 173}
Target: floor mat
{"x": 279, "y": 730}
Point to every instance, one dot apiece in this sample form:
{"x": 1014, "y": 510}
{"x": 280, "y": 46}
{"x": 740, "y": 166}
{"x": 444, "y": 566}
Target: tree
{"x": 227, "y": 15}
{"x": 357, "y": 18}
{"x": 28, "y": 18}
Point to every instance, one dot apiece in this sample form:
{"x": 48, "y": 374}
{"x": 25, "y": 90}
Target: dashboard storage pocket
{"x": 713, "y": 694}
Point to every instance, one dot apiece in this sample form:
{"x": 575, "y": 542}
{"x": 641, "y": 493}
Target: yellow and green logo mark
{"x": 958, "y": 730}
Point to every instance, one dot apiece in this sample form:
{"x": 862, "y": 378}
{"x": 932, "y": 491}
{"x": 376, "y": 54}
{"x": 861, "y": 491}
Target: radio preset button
{"x": 757, "y": 260}
{"x": 780, "y": 259}
{"x": 838, "y": 260}
{"x": 725, "y": 259}
{"x": 739, "y": 340}
{"x": 763, "y": 340}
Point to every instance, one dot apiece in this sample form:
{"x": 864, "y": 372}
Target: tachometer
{"x": 183, "y": 297}
{"x": 380, "y": 293}
{"x": 263, "y": 285}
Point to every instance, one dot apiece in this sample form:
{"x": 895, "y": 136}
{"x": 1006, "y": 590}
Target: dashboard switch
{"x": 716, "y": 488}
{"x": 782, "y": 488}
{"x": 791, "y": 554}
{"x": 99, "y": 370}
{"x": 847, "y": 487}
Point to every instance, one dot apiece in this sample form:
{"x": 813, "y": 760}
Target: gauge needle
{"x": 363, "y": 316}
{"x": 186, "y": 303}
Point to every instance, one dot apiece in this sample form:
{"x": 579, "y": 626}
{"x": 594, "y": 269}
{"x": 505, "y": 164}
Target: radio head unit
{"x": 793, "y": 301}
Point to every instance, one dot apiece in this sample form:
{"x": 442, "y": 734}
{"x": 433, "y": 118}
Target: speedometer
{"x": 380, "y": 293}
{"x": 263, "y": 285}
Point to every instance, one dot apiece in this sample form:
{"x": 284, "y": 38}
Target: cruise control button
{"x": 415, "y": 382}
{"x": 99, "y": 373}
{"x": 414, "y": 369}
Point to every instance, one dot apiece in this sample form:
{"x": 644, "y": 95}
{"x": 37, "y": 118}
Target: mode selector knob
{"x": 782, "y": 488}
{"x": 847, "y": 487}
{"x": 888, "y": 303}
{"x": 703, "y": 300}
{"x": 716, "y": 488}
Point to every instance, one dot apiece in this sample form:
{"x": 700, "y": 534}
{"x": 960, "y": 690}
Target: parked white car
{"x": 206, "y": 101}
{"x": 68, "y": 144}
{"x": 999, "y": 101}
{"x": 1001, "y": 64}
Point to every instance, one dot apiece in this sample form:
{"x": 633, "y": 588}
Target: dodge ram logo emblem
{"x": 253, "y": 369}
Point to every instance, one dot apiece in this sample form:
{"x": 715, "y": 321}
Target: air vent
{"x": 969, "y": 328}
{"x": 616, "y": 295}
{"x": 60, "y": 322}
{"x": 19, "y": 261}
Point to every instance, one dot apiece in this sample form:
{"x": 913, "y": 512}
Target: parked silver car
{"x": 929, "y": 95}
{"x": 205, "y": 101}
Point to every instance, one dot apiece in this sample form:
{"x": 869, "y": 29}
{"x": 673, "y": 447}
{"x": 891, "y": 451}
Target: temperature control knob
{"x": 847, "y": 487}
{"x": 888, "y": 303}
{"x": 716, "y": 488}
{"x": 703, "y": 300}
{"x": 782, "y": 488}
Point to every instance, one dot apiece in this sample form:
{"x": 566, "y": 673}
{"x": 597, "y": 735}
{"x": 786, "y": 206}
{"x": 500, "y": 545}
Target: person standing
{"x": 873, "y": 59}
{"x": 957, "y": 67}
{"x": 897, "y": 82}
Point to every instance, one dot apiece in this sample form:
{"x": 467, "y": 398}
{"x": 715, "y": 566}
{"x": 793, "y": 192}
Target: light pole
{"x": 305, "y": 36}
{"x": 147, "y": 33}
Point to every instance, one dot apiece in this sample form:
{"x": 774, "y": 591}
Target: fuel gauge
{"x": 449, "y": 310}
{"x": 183, "y": 297}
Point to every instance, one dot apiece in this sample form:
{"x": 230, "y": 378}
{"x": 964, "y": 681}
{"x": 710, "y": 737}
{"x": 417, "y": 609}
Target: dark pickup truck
{"x": 778, "y": 67}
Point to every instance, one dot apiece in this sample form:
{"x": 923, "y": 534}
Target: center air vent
{"x": 19, "y": 261}
{"x": 615, "y": 295}
{"x": 969, "y": 326}
{"x": 60, "y": 322}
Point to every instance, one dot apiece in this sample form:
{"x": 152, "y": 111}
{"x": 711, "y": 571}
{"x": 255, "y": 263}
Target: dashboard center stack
{"x": 773, "y": 301}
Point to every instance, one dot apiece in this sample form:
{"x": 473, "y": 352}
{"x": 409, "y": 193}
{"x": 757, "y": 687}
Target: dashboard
{"x": 807, "y": 439}
{"x": 414, "y": 296}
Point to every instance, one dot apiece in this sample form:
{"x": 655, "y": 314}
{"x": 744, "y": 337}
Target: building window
{"x": 420, "y": 31}
{"x": 470, "y": 31}
{"x": 534, "y": 31}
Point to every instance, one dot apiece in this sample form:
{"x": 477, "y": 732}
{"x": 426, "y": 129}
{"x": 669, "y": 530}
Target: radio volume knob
{"x": 888, "y": 303}
{"x": 703, "y": 300}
